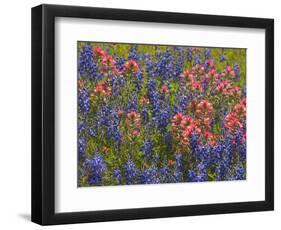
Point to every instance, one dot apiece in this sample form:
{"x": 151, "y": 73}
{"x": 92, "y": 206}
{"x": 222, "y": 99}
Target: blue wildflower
{"x": 87, "y": 65}
{"x": 117, "y": 175}
{"x": 222, "y": 57}
{"x": 197, "y": 60}
{"x": 236, "y": 69}
{"x": 149, "y": 176}
{"x": 207, "y": 53}
{"x": 82, "y": 143}
{"x": 96, "y": 167}
{"x": 131, "y": 172}
{"x": 147, "y": 148}
{"x": 84, "y": 101}
{"x": 189, "y": 54}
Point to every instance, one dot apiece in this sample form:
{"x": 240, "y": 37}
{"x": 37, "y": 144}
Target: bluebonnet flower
{"x": 152, "y": 89}
{"x": 117, "y": 175}
{"x": 81, "y": 127}
{"x": 207, "y": 53}
{"x": 96, "y": 167}
{"x": 240, "y": 173}
{"x": 149, "y": 176}
{"x": 189, "y": 54}
{"x": 181, "y": 103}
{"x": 242, "y": 151}
{"x": 133, "y": 103}
{"x": 87, "y": 65}
{"x": 103, "y": 116}
{"x": 193, "y": 176}
{"x": 178, "y": 168}
{"x": 205, "y": 84}
{"x": 228, "y": 149}
{"x": 131, "y": 172}
{"x": 179, "y": 63}
{"x": 202, "y": 168}
{"x": 222, "y": 57}
{"x": 166, "y": 175}
{"x": 155, "y": 158}
{"x": 149, "y": 66}
{"x": 119, "y": 63}
{"x": 236, "y": 69}
{"x": 225, "y": 158}
{"x": 115, "y": 84}
{"x": 168, "y": 141}
{"x": 194, "y": 143}
{"x": 165, "y": 65}
{"x": 92, "y": 132}
{"x": 82, "y": 143}
{"x": 133, "y": 53}
{"x": 84, "y": 101}
{"x": 197, "y": 59}
{"x": 145, "y": 116}
{"x": 108, "y": 118}
{"x": 147, "y": 148}
{"x": 138, "y": 80}
{"x": 240, "y": 145}
{"x": 112, "y": 131}
{"x": 163, "y": 117}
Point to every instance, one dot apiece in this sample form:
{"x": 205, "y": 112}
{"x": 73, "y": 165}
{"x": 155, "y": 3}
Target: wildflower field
{"x": 150, "y": 114}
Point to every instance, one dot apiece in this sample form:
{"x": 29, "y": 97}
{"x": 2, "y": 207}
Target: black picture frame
{"x": 43, "y": 114}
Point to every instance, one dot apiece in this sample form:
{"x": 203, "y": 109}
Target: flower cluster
{"x": 150, "y": 114}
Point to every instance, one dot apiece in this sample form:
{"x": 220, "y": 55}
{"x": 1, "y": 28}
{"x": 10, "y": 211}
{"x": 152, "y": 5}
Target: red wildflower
{"x": 212, "y": 72}
{"x": 196, "y": 86}
{"x": 203, "y": 112}
{"x": 164, "y": 88}
{"x": 170, "y": 162}
{"x": 108, "y": 61}
{"x": 120, "y": 113}
{"x": 144, "y": 100}
{"x": 80, "y": 83}
{"x": 136, "y": 132}
{"x": 131, "y": 66}
{"x": 183, "y": 126}
{"x": 240, "y": 109}
{"x": 99, "y": 52}
{"x": 210, "y": 137}
{"x": 133, "y": 120}
{"x": 232, "y": 122}
{"x": 102, "y": 88}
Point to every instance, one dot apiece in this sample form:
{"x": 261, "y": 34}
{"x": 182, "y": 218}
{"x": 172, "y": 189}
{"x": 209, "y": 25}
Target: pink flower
{"x": 131, "y": 66}
{"x": 170, "y": 162}
{"x": 211, "y": 138}
{"x": 182, "y": 128}
{"x": 99, "y": 52}
{"x": 232, "y": 122}
{"x": 102, "y": 88}
{"x": 228, "y": 69}
{"x": 108, "y": 60}
{"x": 213, "y": 72}
{"x": 80, "y": 83}
{"x": 136, "y": 132}
{"x": 133, "y": 120}
{"x": 196, "y": 85}
{"x": 240, "y": 109}
{"x": 204, "y": 108}
{"x": 164, "y": 88}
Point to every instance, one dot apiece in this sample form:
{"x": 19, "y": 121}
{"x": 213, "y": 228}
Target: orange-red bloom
{"x": 131, "y": 66}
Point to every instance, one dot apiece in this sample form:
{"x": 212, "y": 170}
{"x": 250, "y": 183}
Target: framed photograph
{"x": 142, "y": 114}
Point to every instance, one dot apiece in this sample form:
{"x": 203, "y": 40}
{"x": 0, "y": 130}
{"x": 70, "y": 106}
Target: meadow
{"x": 150, "y": 114}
